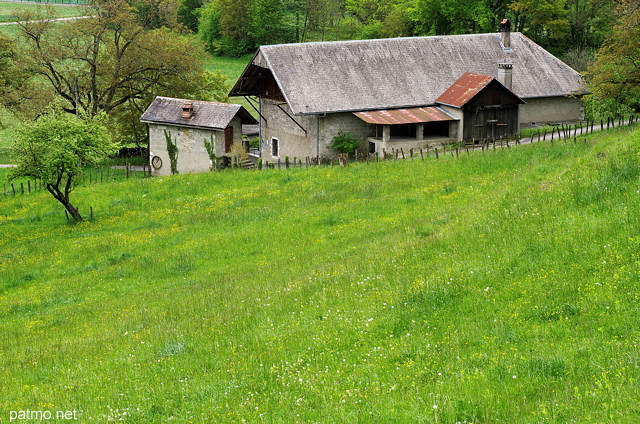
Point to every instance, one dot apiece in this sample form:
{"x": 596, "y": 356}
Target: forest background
{"x": 599, "y": 38}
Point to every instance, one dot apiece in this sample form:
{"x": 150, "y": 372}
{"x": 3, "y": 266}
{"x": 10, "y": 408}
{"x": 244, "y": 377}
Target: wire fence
{"x": 97, "y": 175}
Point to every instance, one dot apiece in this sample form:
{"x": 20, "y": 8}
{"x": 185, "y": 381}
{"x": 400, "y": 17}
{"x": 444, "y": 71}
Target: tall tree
{"x": 55, "y": 148}
{"x": 189, "y": 13}
{"x": 8, "y": 78}
{"x": 109, "y": 61}
{"x": 269, "y": 23}
{"x": 616, "y": 71}
{"x": 545, "y": 21}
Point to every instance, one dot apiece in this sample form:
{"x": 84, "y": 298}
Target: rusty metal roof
{"x": 405, "y": 116}
{"x": 465, "y": 89}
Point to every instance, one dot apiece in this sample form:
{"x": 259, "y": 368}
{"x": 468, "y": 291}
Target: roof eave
{"x": 177, "y": 124}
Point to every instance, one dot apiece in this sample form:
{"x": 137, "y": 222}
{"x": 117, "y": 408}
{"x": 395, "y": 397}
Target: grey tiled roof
{"x": 406, "y": 72}
{"x": 209, "y": 115}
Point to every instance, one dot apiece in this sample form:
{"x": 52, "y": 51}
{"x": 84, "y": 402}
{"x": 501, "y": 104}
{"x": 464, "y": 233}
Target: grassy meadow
{"x": 499, "y": 287}
{"x": 8, "y": 9}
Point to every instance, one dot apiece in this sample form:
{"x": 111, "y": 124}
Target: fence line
{"x": 93, "y": 176}
{"x": 559, "y": 132}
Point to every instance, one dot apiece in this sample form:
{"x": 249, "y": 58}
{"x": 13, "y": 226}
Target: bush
{"x": 345, "y": 143}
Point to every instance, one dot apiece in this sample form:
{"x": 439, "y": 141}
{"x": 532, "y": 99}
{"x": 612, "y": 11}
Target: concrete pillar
{"x": 386, "y": 134}
{"x": 420, "y": 131}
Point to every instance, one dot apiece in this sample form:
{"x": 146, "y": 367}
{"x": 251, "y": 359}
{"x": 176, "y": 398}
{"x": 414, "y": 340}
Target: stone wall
{"x": 320, "y": 130}
{"x": 543, "y": 110}
{"x": 192, "y": 153}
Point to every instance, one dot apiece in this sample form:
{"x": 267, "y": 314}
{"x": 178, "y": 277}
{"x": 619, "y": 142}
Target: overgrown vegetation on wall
{"x": 172, "y": 151}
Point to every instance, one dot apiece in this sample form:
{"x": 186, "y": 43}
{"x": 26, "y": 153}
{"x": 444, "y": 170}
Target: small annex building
{"x": 190, "y": 125}
{"x": 405, "y": 92}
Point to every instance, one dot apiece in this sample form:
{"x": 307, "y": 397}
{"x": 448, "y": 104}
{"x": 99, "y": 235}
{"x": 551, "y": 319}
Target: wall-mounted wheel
{"x": 156, "y": 162}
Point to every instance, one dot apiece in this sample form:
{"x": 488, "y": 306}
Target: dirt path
{"x": 37, "y": 2}
{"x": 57, "y": 19}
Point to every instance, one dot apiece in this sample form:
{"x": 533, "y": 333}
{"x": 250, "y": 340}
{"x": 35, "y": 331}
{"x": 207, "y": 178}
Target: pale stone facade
{"x": 192, "y": 153}
{"x": 294, "y": 142}
{"x": 543, "y": 110}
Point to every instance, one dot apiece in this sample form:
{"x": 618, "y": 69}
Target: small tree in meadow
{"x": 345, "y": 143}
{"x": 55, "y": 148}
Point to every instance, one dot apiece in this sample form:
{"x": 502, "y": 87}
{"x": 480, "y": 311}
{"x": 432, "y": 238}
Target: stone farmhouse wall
{"x": 192, "y": 153}
{"x": 294, "y": 142}
{"x": 542, "y": 110}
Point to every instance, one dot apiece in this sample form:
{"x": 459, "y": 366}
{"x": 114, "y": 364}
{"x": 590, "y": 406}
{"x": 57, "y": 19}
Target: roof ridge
{"x": 371, "y": 40}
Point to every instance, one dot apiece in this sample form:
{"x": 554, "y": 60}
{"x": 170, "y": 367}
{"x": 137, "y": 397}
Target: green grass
{"x": 8, "y": 9}
{"x": 497, "y": 287}
{"x": 232, "y": 68}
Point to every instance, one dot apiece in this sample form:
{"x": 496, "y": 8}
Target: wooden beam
{"x": 292, "y": 118}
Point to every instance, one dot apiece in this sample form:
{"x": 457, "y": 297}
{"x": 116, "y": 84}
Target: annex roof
{"x": 206, "y": 115}
{"x": 403, "y": 72}
{"x": 405, "y": 116}
{"x": 465, "y": 89}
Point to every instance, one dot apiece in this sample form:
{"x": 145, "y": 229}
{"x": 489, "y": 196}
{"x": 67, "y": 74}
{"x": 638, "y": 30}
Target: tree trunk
{"x": 73, "y": 211}
{"x": 64, "y": 199}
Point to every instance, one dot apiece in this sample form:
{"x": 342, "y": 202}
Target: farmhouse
{"x": 405, "y": 92}
{"x": 192, "y": 126}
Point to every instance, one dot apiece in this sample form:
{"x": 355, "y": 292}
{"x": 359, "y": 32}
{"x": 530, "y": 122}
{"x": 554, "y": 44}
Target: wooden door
{"x": 228, "y": 139}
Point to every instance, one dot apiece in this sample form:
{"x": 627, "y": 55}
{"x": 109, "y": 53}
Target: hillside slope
{"x": 497, "y": 287}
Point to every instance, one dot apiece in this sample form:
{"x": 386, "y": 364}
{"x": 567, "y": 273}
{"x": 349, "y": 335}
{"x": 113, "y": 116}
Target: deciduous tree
{"x": 616, "y": 71}
{"x": 122, "y": 57}
{"x": 55, "y": 148}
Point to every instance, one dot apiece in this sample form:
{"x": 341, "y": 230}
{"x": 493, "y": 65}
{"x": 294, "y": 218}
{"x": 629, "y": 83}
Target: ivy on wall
{"x": 172, "y": 149}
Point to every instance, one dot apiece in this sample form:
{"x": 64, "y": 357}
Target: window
{"x": 275, "y": 148}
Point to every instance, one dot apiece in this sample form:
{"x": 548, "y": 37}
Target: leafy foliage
{"x": 237, "y": 27}
{"x": 116, "y": 61}
{"x": 616, "y": 71}
{"x": 189, "y": 12}
{"x": 345, "y": 143}
{"x": 172, "y": 150}
{"x": 55, "y": 148}
{"x": 210, "y": 145}
{"x": 234, "y": 28}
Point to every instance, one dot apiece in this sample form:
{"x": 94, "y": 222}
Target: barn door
{"x": 228, "y": 139}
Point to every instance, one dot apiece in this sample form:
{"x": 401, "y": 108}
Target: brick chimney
{"x": 505, "y": 74}
{"x": 187, "y": 110}
{"x": 506, "y": 34}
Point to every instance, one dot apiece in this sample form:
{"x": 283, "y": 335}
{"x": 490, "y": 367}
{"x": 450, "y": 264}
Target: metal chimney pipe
{"x": 505, "y": 74}
{"x": 506, "y": 34}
